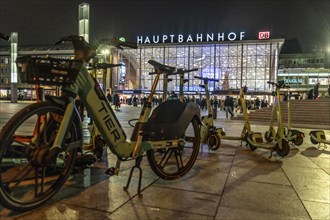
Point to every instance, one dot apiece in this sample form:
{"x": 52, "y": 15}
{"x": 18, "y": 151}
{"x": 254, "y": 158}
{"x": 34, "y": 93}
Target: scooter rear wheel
{"x": 214, "y": 141}
{"x": 269, "y": 136}
{"x": 173, "y": 163}
{"x": 314, "y": 141}
{"x": 285, "y": 148}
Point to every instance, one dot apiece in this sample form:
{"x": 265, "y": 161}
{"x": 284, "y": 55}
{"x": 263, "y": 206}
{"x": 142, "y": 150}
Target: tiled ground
{"x": 230, "y": 183}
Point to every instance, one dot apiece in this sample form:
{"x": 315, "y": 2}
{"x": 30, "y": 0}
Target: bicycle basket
{"x": 47, "y": 71}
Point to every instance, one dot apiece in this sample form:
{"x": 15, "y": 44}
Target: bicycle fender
{"x": 170, "y": 120}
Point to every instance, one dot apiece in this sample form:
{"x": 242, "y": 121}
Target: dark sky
{"x": 45, "y": 21}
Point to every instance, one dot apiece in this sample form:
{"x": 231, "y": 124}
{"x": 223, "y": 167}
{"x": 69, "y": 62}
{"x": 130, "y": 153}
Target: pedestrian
{"x": 310, "y": 94}
{"x": 257, "y": 103}
{"x": 316, "y": 90}
{"x": 228, "y": 107}
{"x": 173, "y": 96}
{"x": 285, "y": 97}
{"x": 304, "y": 96}
{"x": 109, "y": 97}
{"x": 116, "y": 101}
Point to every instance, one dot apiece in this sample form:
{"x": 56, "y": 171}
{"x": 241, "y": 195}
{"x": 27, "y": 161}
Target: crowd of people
{"x": 228, "y": 104}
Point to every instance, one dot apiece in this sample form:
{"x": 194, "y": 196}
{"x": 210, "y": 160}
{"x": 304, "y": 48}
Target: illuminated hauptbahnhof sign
{"x": 228, "y": 57}
{"x": 180, "y": 38}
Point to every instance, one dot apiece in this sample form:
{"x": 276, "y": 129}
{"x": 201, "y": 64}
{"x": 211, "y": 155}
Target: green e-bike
{"x": 54, "y": 132}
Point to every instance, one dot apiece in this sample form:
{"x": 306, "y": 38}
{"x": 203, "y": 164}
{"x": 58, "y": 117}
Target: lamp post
{"x": 105, "y": 52}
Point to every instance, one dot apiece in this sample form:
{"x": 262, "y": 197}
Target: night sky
{"x": 44, "y": 22}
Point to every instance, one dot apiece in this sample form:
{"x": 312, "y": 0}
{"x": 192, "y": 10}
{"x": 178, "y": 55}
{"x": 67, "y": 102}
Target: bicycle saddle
{"x": 162, "y": 67}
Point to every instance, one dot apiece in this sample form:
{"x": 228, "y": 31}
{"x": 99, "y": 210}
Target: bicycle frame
{"x": 105, "y": 119}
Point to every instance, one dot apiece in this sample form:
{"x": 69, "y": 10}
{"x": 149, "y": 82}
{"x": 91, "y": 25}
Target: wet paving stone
{"x": 232, "y": 182}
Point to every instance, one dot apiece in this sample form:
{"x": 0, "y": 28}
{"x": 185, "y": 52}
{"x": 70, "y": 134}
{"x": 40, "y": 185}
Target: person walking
{"x": 257, "y": 103}
{"x": 116, "y": 101}
{"x": 316, "y": 90}
{"x": 228, "y": 107}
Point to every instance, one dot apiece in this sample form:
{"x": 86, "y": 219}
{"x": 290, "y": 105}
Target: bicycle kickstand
{"x": 137, "y": 165}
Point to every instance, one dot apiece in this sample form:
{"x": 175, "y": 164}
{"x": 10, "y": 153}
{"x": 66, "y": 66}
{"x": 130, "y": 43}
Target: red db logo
{"x": 264, "y": 35}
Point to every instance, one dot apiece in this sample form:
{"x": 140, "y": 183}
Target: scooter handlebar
{"x": 182, "y": 71}
{"x": 206, "y": 79}
{"x": 272, "y": 83}
{"x": 105, "y": 65}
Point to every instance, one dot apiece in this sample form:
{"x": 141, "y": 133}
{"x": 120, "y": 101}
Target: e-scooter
{"x": 209, "y": 133}
{"x": 294, "y": 136}
{"x": 279, "y": 144}
{"x": 246, "y": 128}
{"x": 318, "y": 137}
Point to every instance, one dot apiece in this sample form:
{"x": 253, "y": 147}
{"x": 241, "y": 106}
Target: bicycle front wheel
{"x": 27, "y": 180}
{"x": 173, "y": 163}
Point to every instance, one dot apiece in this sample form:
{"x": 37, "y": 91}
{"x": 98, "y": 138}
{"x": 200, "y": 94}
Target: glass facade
{"x": 235, "y": 64}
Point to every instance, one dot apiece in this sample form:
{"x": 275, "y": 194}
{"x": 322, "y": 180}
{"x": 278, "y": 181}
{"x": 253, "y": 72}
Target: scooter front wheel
{"x": 27, "y": 178}
{"x": 298, "y": 141}
{"x": 285, "y": 148}
{"x": 214, "y": 141}
{"x": 173, "y": 163}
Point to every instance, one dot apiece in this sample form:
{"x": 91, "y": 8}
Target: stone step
{"x": 309, "y": 112}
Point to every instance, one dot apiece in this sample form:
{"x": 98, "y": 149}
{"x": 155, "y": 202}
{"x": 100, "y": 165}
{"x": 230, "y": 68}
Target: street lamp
{"x": 105, "y": 52}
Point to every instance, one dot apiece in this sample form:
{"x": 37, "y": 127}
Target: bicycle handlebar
{"x": 118, "y": 43}
{"x": 125, "y": 44}
{"x": 4, "y": 36}
{"x": 79, "y": 43}
{"x": 206, "y": 79}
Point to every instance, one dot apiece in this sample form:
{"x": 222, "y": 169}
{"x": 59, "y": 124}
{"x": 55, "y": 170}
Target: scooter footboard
{"x": 318, "y": 137}
{"x": 296, "y": 133}
{"x": 256, "y": 137}
{"x": 170, "y": 120}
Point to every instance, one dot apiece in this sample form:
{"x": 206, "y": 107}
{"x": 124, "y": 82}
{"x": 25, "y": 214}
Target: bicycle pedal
{"x": 111, "y": 171}
{"x": 85, "y": 160}
{"x": 88, "y": 147}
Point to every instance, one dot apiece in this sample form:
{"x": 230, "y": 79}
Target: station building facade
{"x": 302, "y": 71}
{"x": 240, "y": 63}
{"x": 235, "y": 63}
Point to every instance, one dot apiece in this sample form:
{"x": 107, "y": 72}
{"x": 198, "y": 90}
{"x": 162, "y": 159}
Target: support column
{"x": 83, "y": 18}
{"x": 13, "y": 67}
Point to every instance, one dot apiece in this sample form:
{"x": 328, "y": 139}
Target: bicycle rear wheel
{"x": 27, "y": 180}
{"x": 173, "y": 163}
